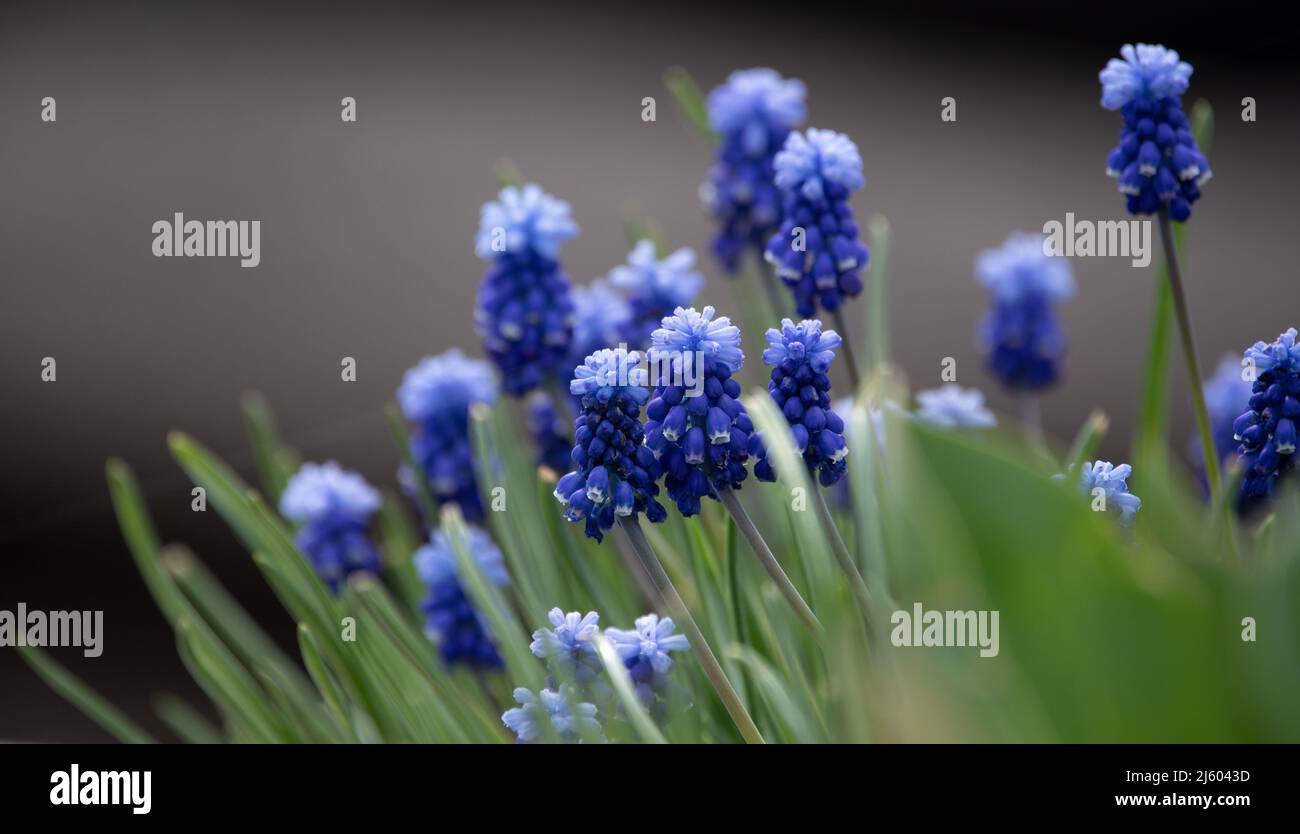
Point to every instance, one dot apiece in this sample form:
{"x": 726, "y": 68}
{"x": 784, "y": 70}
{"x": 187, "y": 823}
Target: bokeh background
{"x": 232, "y": 111}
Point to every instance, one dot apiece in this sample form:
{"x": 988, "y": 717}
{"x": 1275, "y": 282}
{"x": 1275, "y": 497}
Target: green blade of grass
{"x": 690, "y": 101}
{"x": 621, "y": 682}
{"x": 276, "y": 463}
{"x": 113, "y": 720}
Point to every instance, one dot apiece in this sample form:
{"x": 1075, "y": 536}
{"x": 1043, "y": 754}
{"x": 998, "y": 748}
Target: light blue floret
{"x": 317, "y": 490}
{"x": 1147, "y": 71}
{"x": 951, "y": 406}
{"x": 752, "y": 103}
{"x": 812, "y": 159}
{"x": 1019, "y": 268}
{"x": 524, "y": 220}
{"x": 446, "y": 385}
{"x": 687, "y": 331}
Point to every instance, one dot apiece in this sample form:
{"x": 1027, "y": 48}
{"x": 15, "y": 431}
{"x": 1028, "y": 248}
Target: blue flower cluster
{"x": 801, "y": 356}
{"x": 1107, "y": 486}
{"x": 753, "y": 112}
{"x": 616, "y": 472}
{"x": 1267, "y": 429}
{"x": 696, "y": 427}
{"x": 436, "y": 395}
{"x": 567, "y": 648}
{"x": 816, "y": 252}
{"x": 1021, "y": 334}
{"x": 953, "y": 407}
{"x": 645, "y": 651}
{"x": 525, "y": 311}
{"x": 334, "y": 508}
{"x": 557, "y": 711}
{"x": 654, "y": 288}
{"x": 462, "y": 636}
{"x": 1157, "y": 162}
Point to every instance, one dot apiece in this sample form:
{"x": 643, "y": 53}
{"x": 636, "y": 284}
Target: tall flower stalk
{"x": 701, "y": 435}
{"x": 1160, "y": 170}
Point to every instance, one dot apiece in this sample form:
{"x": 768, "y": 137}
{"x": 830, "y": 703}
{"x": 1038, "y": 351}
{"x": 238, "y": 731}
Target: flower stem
{"x": 855, "y": 378}
{"x": 1031, "y": 418}
{"x": 768, "y": 561}
{"x": 673, "y": 600}
{"x": 1189, "y": 356}
{"x": 842, "y": 555}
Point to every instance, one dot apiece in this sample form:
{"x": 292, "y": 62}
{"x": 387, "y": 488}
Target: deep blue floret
{"x": 1267, "y": 429}
{"x": 816, "y": 251}
{"x": 1157, "y": 162}
{"x": 753, "y": 113}
{"x": 1022, "y": 337}
{"x": 549, "y": 432}
{"x": 334, "y": 508}
{"x": 614, "y": 473}
{"x": 654, "y": 288}
{"x": 437, "y": 395}
{"x": 801, "y": 356}
{"x": 524, "y": 312}
{"x": 695, "y": 424}
{"x": 462, "y": 636}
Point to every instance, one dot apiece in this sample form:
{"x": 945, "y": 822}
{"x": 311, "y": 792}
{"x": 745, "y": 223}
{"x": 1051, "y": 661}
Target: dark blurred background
{"x": 232, "y": 111}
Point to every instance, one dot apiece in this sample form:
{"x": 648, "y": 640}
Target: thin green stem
{"x": 769, "y": 562}
{"x": 842, "y": 555}
{"x": 673, "y": 600}
{"x": 855, "y": 378}
{"x": 1189, "y": 358}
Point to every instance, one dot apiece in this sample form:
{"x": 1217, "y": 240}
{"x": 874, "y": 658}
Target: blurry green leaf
{"x": 107, "y": 716}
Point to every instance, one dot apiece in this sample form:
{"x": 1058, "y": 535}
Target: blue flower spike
{"x": 753, "y": 112}
{"x": 800, "y": 356}
{"x": 455, "y": 627}
{"x": 334, "y": 507}
{"x": 615, "y": 473}
{"x": 552, "y": 713}
{"x": 524, "y": 312}
{"x": 1227, "y": 395}
{"x": 696, "y": 427}
{"x": 1266, "y": 430}
{"x": 437, "y": 395}
{"x": 1022, "y": 338}
{"x": 816, "y": 251}
{"x": 1107, "y": 486}
{"x": 654, "y": 287}
{"x": 1157, "y": 163}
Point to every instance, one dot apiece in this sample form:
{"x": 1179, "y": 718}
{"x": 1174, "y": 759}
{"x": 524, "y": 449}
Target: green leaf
{"x": 690, "y": 101}
{"x": 107, "y": 716}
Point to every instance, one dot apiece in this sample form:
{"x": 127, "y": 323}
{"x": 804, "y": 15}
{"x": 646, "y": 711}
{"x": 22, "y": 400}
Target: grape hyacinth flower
{"x": 556, "y": 712}
{"x": 753, "y": 112}
{"x": 524, "y": 312}
{"x": 816, "y": 251}
{"x": 1107, "y": 486}
{"x": 567, "y": 648}
{"x": 1267, "y": 429}
{"x": 461, "y": 635}
{"x": 696, "y": 426}
{"x": 654, "y": 288}
{"x": 953, "y": 407}
{"x": 334, "y": 507}
{"x": 1021, "y": 335}
{"x": 645, "y": 651}
{"x": 1157, "y": 162}
{"x": 616, "y": 473}
{"x": 801, "y": 356}
{"x": 437, "y": 395}
{"x": 701, "y": 434}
